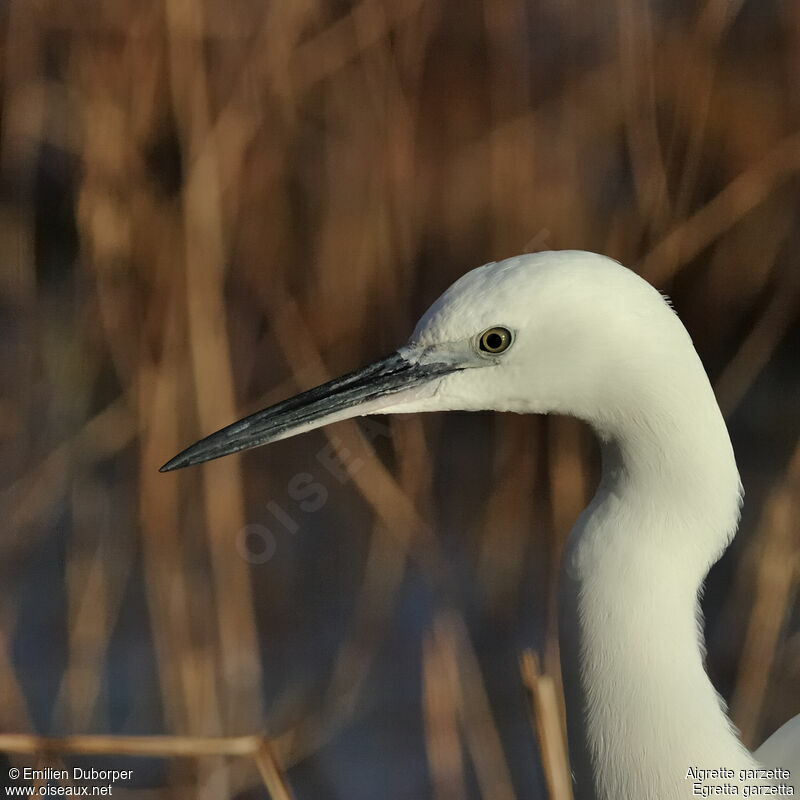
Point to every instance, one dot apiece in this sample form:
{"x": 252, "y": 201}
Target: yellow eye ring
{"x": 495, "y": 340}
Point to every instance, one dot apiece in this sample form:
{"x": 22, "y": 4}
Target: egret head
{"x": 538, "y": 333}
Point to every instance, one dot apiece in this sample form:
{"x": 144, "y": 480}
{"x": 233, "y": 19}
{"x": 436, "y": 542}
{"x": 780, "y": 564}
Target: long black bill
{"x": 385, "y": 377}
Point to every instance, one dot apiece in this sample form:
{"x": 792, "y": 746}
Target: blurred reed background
{"x": 207, "y": 206}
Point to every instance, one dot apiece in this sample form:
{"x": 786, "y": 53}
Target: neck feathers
{"x": 641, "y": 709}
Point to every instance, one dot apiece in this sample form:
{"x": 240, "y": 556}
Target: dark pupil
{"x": 494, "y": 341}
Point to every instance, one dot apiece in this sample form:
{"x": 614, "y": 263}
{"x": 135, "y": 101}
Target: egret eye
{"x": 495, "y": 340}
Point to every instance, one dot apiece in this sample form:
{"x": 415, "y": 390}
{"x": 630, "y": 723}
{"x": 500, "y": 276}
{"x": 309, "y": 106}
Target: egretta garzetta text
{"x": 576, "y": 333}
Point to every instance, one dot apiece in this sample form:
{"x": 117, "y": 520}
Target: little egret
{"x": 577, "y": 333}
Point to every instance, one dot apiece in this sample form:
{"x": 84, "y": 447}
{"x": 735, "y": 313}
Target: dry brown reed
{"x": 207, "y": 206}
{"x": 546, "y": 713}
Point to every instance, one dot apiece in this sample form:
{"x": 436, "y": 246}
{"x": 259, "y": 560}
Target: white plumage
{"x": 591, "y": 339}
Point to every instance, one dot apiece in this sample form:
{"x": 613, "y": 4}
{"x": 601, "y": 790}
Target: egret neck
{"x": 643, "y": 716}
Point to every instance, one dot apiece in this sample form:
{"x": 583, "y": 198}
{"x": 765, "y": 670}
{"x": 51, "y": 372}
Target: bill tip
{"x": 172, "y": 464}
